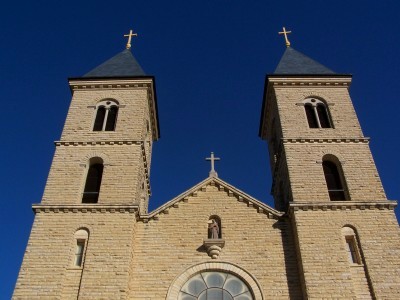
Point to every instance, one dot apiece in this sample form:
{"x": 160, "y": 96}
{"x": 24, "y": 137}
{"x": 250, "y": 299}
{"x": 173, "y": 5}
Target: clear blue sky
{"x": 209, "y": 59}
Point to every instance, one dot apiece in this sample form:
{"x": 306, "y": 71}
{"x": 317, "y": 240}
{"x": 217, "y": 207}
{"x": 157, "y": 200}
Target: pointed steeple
{"x": 295, "y": 63}
{"x": 123, "y": 64}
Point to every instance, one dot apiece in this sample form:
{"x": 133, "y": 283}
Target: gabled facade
{"x": 333, "y": 234}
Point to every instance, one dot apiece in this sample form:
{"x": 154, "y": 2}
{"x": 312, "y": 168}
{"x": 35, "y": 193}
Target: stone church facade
{"x": 332, "y": 234}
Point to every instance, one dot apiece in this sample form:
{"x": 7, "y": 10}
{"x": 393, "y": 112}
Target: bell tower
{"x": 82, "y": 238}
{"x": 317, "y": 149}
{"x": 104, "y": 153}
{"x": 325, "y": 179}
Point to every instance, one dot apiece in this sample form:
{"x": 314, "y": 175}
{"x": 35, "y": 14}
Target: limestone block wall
{"x": 47, "y": 271}
{"x": 307, "y": 180}
{"x": 131, "y": 120}
{"x": 324, "y": 260}
{"x": 123, "y": 171}
{"x": 293, "y": 117}
{"x": 172, "y": 242}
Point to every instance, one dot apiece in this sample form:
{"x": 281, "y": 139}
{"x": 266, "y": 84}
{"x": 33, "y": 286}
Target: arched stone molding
{"x": 331, "y": 155}
{"x": 315, "y": 94}
{"x": 105, "y": 97}
{"x": 81, "y": 227}
{"x": 226, "y": 267}
{"x": 100, "y": 100}
{"x": 85, "y": 160}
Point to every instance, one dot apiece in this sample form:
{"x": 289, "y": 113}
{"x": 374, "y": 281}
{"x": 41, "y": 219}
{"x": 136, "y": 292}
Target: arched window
{"x": 106, "y": 116}
{"x": 351, "y": 245}
{"x": 81, "y": 238}
{"x": 214, "y": 227}
{"x": 334, "y": 181}
{"x": 215, "y": 280}
{"x": 215, "y": 285}
{"x": 317, "y": 113}
{"x": 93, "y": 181}
{"x": 311, "y": 116}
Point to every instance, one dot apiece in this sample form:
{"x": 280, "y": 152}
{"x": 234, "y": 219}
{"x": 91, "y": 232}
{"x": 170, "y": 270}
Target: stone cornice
{"x": 93, "y": 143}
{"x": 85, "y": 208}
{"x": 343, "y": 205}
{"x": 364, "y": 140}
{"x": 110, "y": 83}
{"x": 303, "y": 81}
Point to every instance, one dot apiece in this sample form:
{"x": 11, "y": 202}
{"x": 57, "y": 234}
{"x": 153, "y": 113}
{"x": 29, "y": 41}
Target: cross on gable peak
{"x": 212, "y": 158}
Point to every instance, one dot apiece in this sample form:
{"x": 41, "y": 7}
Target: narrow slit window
{"x": 333, "y": 181}
{"x": 81, "y": 243}
{"x": 352, "y": 250}
{"x": 80, "y": 248}
{"x": 93, "y": 183}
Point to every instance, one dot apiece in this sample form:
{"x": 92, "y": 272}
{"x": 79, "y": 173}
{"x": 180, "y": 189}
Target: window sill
{"x": 75, "y": 268}
{"x": 355, "y": 265}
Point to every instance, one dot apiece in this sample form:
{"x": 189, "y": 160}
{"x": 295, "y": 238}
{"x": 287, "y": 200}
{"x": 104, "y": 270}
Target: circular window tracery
{"x": 215, "y": 285}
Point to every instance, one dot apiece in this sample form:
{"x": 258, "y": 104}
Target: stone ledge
{"x": 331, "y": 81}
{"x": 327, "y": 140}
{"x": 93, "y": 143}
{"x": 85, "y": 208}
{"x": 343, "y": 205}
{"x": 110, "y": 83}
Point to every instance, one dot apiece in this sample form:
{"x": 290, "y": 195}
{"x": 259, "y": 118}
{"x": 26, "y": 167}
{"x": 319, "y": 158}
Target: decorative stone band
{"x": 364, "y": 140}
{"x": 110, "y": 84}
{"x": 287, "y": 81}
{"x": 84, "y": 208}
{"x": 343, "y": 205}
{"x": 226, "y": 267}
{"x": 92, "y": 143}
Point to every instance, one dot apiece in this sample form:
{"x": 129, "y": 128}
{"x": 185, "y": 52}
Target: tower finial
{"x": 285, "y": 33}
{"x": 129, "y": 36}
{"x": 213, "y": 159}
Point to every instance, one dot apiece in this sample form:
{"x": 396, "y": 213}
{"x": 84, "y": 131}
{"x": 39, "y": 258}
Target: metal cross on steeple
{"x": 285, "y": 33}
{"x": 129, "y": 36}
{"x": 213, "y": 159}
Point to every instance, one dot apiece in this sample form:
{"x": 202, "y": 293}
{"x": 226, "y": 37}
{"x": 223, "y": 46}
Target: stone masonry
{"x": 308, "y": 247}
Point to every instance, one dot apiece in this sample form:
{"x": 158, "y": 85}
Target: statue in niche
{"x": 213, "y": 229}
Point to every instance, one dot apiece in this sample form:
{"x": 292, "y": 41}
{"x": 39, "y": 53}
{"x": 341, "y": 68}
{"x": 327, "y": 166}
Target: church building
{"x": 332, "y": 233}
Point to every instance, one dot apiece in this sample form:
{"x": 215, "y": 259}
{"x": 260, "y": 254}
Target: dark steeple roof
{"x": 121, "y": 65}
{"x": 293, "y": 62}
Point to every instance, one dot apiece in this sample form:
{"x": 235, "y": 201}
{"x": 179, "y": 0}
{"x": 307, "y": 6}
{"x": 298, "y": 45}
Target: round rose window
{"x": 215, "y": 286}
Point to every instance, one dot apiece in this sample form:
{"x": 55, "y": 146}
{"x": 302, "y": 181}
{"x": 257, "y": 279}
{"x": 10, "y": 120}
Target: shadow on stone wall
{"x": 291, "y": 264}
